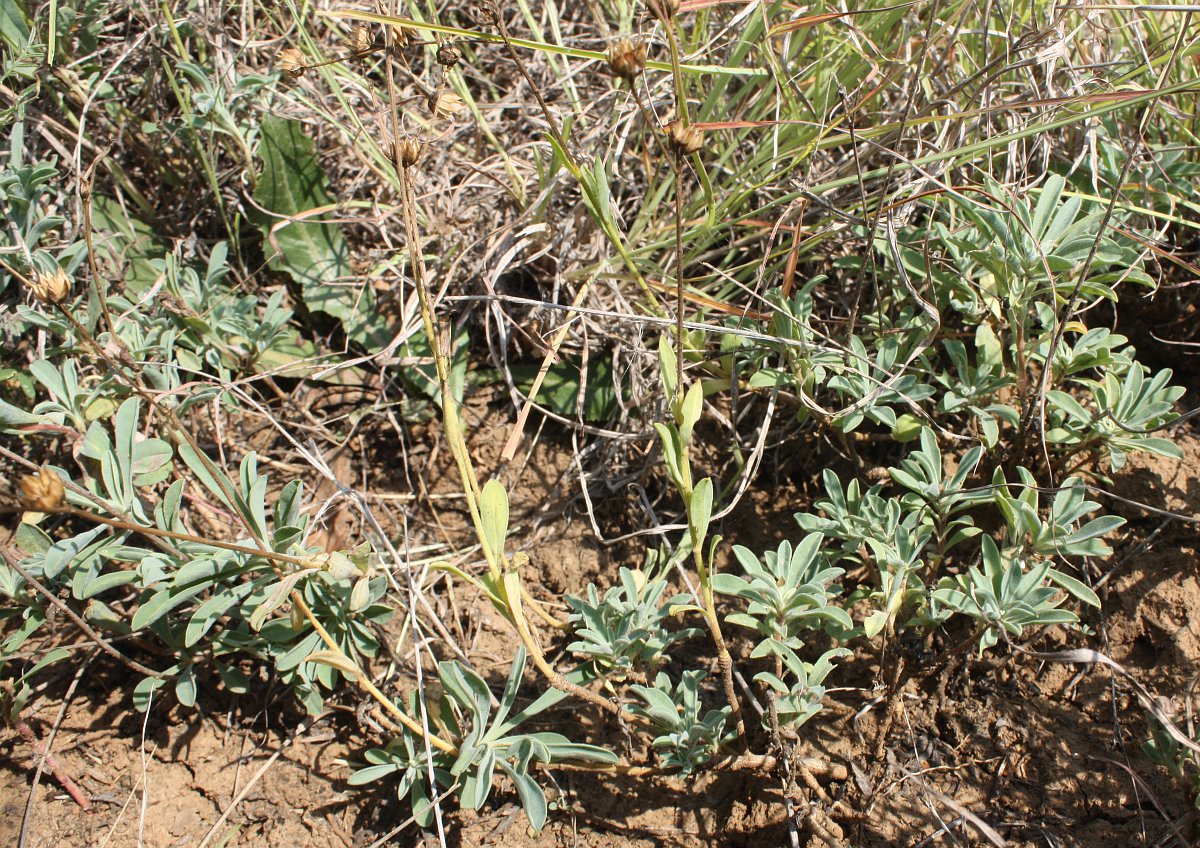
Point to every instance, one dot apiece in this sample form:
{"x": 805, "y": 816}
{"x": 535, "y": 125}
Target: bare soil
{"x": 1043, "y": 753}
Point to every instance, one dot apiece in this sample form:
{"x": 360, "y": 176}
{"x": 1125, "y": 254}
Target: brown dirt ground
{"x": 1045, "y": 754}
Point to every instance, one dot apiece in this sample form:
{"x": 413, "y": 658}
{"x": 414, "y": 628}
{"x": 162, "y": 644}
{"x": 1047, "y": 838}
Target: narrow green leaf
{"x": 1072, "y": 586}
{"x": 102, "y": 583}
{"x": 279, "y": 594}
{"x": 700, "y": 509}
{"x": 335, "y": 660}
{"x": 201, "y": 469}
{"x": 493, "y": 508}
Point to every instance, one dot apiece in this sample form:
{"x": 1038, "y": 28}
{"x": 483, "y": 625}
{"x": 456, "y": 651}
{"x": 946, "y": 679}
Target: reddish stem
{"x": 53, "y": 766}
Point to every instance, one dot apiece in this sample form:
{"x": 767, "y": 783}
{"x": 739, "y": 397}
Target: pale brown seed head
{"x": 408, "y": 151}
{"x": 448, "y": 56}
{"x": 486, "y": 12}
{"x": 400, "y": 40}
{"x": 361, "y": 40}
{"x": 290, "y": 63}
{"x": 446, "y": 104}
{"x": 626, "y": 59}
{"x": 684, "y": 141}
{"x": 42, "y": 492}
{"x": 52, "y": 288}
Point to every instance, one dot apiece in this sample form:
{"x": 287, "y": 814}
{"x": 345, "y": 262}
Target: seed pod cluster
{"x": 626, "y": 59}
{"x": 448, "y": 56}
{"x": 52, "y": 288}
{"x": 684, "y": 140}
{"x": 408, "y": 151}
{"x": 42, "y": 492}
{"x": 361, "y": 40}
{"x": 445, "y": 104}
{"x": 291, "y": 63}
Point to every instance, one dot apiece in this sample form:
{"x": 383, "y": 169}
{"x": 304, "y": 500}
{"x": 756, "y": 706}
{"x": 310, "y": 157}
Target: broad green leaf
{"x": 560, "y": 388}
{"x": 370, "y": 774}
{"x": 161, "y": 603}
{"x": 667, "y": 365}
{"x": 672, "y": 451}
{"x": 102, "y": 583}
{"x": 874, "y": 623}
{"x": 105, "y": 617}
{"x": 767, "y": 378}
{"x": 201, "y": 468}
{"x": 510, "y": 694}
{"x": 292, "y": 191}
{"x": 32, "y": 539}
{"x": 295, "y": 655}
{"x": 63, "y": 553}
{"x": 906, "y": 428}
{"x": 1095, "y": 528}
{"x": 12, "y": 419}
{"x": 50, "y": 657}
{"x": 532, "y": 798}
{"x": 233, "y": 679}
{"x": 206, "y": 616}
{"x": 360, "y": 595}
{"x": 689, "y": 411}
{"x": 1075, "y": 587}
{"x": 1046, "y": 205}
{"x": 14, "y": 24}
{"x": 135, "y": 247}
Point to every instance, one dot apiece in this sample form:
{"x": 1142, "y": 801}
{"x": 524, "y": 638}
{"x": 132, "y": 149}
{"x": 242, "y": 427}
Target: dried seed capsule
{"x": 361, "y": 40}
{"x": 626, "y": 59}
{"x": 291, "y": 63}
{"x": 52, "y": 288}
{"x": 42, "y": 492}
{"x": 684, "y": 140}
{"x": 408, "y": 151}
{"x": 446, "y": 104}
{"x": 400, "y": 40}
{"x": 448, "y": 55}
{"x": 486, "y": 12}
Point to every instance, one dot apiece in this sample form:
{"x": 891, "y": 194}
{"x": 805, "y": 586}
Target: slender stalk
{"x": 181, "y": 537}
{"x": 51, "y": 763}
{"x": 365, "y": 683}
{"x": 498, "y": 564}
{"x": 724, "y": 659}
{"x": 679, "y": 277}
{"x": 668, "y": 22}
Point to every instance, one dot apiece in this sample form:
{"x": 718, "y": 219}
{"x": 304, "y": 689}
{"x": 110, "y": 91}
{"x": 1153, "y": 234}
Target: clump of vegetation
{"x": 887, "y": 237}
